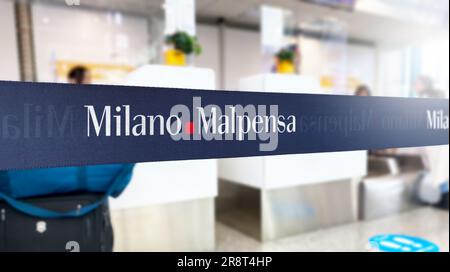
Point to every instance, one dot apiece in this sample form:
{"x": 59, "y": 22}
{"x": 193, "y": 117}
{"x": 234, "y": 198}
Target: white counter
{"x": 289, "y": 170}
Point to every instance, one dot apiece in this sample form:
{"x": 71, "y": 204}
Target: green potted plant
{"x": 286, "y": 60}
{"x": 182, "y": 45}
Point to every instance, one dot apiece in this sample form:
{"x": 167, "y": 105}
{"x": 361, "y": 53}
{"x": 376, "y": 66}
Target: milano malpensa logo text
{"x": 195, "y": 122}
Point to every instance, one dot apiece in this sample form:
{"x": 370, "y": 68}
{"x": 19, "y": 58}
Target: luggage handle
{"x": 36, "y": 211}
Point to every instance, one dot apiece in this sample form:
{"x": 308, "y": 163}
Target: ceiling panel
{"x": 228, "y": 9}
{"x": 360, "y": 24}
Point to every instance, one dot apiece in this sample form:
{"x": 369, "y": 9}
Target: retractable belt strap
{"x": 54, "y": 125}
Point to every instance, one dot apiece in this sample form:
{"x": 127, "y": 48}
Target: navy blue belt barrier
{"x": 55, "y": 125}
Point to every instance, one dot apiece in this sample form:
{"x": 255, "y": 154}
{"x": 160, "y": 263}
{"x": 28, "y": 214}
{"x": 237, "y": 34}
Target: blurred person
{"x": 363, "y": 90}
{"x": 81, "y": 181}
{"x": 79, "y": 75}
{"x": 434, "y": 179}
{"x": 424, "y": 88}
{"x": 433, "y": 184}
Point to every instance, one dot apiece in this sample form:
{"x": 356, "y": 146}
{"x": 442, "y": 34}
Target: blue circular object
{"x": 401, "y": 243}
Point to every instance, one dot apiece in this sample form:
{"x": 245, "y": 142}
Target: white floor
{"x": 428, "y": 223}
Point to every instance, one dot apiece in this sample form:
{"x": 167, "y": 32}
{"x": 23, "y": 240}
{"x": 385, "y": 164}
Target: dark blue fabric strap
{"x": 36, "y": 211}
{"x": 100, "y": 124}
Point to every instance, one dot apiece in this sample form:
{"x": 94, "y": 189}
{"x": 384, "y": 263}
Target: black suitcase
{"x": 90, "y": 233}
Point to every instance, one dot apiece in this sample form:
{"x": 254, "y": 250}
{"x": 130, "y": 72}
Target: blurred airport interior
{"x": 320, "y": 202}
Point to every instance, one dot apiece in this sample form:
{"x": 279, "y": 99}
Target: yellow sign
{"x": 100, "y": 72}
{"x": 328, "y": 82}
